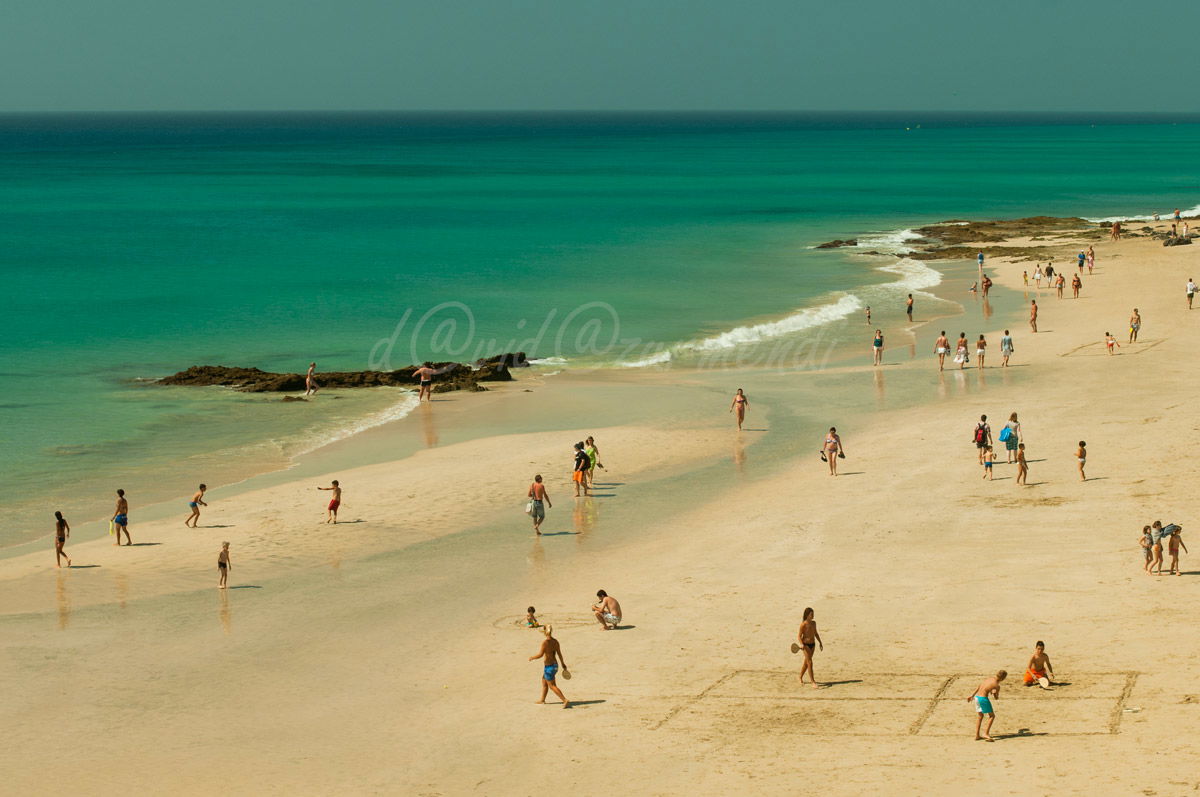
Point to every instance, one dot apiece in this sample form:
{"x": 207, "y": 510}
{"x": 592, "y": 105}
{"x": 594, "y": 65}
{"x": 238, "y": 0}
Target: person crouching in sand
{"x": 990, "y": 688}
{"x": 809, "y": 639}
{"x": 1040, "y": 671}
{"x": 607, "y": 611}
{"x": 334, "y": 502}
{"x": 223, "y": 565}
{"x": 551, "y": 655}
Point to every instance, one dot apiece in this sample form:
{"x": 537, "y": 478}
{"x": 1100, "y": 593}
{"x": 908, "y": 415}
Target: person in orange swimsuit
{"x": 1039, "y": 671}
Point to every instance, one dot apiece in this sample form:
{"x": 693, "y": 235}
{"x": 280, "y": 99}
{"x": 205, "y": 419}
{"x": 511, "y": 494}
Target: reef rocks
{"x": 838, "y": 243}
{"x": 447, "y": 376}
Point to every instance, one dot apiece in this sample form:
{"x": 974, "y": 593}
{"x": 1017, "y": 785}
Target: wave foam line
{"x": 1193, "y": 211}
{"x": 407, "y": 403}
{"x": 891, "y": 243}
{"x": 914, "y": 275}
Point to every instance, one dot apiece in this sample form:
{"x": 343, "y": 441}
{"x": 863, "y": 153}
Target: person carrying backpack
{"x": 983, "y": 436}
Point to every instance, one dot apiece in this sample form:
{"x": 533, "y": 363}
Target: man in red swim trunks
{"x": 335, "y": 502}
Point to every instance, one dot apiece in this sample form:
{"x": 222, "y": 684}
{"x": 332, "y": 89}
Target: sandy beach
{"x": 386, "y": 657}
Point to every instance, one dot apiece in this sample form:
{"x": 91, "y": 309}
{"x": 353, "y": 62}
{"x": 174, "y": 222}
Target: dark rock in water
{"x": 839, "y": 242}
{"x": 448, "y": 376}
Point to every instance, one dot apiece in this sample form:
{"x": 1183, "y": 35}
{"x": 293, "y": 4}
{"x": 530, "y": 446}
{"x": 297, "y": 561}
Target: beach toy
{"x": 112, "y": 527}
{"x": 795, "y": 648}
{"x": 566, "y": 674}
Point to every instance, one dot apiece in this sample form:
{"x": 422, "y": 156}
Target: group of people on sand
{"x": 1039, "y": 672}
{"x": 1014, "y": 448}
{"x": 1151, "y": 543}
{"x": 583, "y": 475}
{"x": 607, "y": 611}
{"x": 962, "y": 350}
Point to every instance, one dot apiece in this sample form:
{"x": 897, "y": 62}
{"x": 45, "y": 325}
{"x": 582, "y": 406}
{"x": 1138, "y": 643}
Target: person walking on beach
{"x": 739, "y": 405}
{"x": 1006, "y": 348}
{"x": 877, "y": 346}
{"x": 1156, "y": 535}
{"x": 1038, "y": 276}
{"x": 960, "y": 351}
{"x": 1115, "y": 235}
{"x": 979, "y": 259}
{"x": 1059, "y": 283}
{"x": 809, "y": 639}
{"x": 980, "y": 350}
{"x": 908, "y": 307}
{"x": 1174, "y": 543}
{"x": 989, "y": 459}
{"x": 989, "y": 689}
{"x": 868, "y": 315}
{"x": 1081, "y": 458}
{"x": 1135, "y": 324}
{"x": 582, "y": 465}
{"x": 195, "y": 504}
{"x": 1022, "y": 466}
{"x": 426, "y": 373}
{"x": 551, "y": 655}
{"x": 1147, "y": 545}
{"x": 1110, "y": 342}
{"x": 1076, "y": 284}
{"x": 310, "y": 380}
{"x": 1025, "y": 278}
{"x": 983, "y": 436}
{"x": 1033, "y": 310}
{"x": 1012, "y": 437}
{"x": 120, "y": 518}
{"x": 62, "y": 530}
{"x": 539, "y": 499}
{"x": 986, "y": 285}
{"x": 1082, "y": 258}
{"x": 941, "y": 348}
{"x": 607, "y": 611}
{"x": 832, "y": 449}
{"x": 223, "y": 566}
{"x": 334, "y": 502}
{"x": 1091, "y": 259}
{"x": 1191, "y": 292}
{"x": 593, "y": 453}
{"x": 1039, "y": 671}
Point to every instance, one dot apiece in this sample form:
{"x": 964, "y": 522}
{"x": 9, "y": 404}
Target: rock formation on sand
{"x": 449, "y": 376}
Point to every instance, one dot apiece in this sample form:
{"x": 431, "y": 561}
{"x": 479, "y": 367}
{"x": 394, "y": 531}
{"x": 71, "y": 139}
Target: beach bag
{"x": 529, "y": 507}
{"x": 1005, "y": 433}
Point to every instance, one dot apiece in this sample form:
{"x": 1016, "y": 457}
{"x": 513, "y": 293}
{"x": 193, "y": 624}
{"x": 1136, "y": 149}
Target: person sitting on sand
{"x": 62, "y": 530}
{"x": 1039, "y": 671}
{"x": 809, "y": 638}
{"x": 334, "y": 502}
{"x": 1147, "y": 544}
{"x": 989, "y": 689}
{"x": 531, "y": 620}
{"x": 551, "y": 655}
{"x": 195, "y": 504}
{"x": 223, "y": 565}
{"x": 1174, "y": 543}
{"x": 739, "y": 405}
{"x": 607, "y": 611}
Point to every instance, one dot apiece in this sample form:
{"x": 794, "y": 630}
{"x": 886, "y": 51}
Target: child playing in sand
{"x": 223, "y": 565}
{"x": 1173, "y": 545}
{"x": 990, "y": 688}
{"x": 531, "y": 620}
{"x": 1040, "y": 671}
{"x": 1110, "y": 341}
{"x": 194, "y": 505}
{"x": 989, "y": 458}
{"x": 1081, "y": 456}
{"x": 334, "y": 502}
{"x": 1022, "y": 466}
{"x": 1147, "y": 543}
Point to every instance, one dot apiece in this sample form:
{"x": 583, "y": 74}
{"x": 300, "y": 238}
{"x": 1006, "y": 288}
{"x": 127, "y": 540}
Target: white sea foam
{"x": 406, "y": 404}
{"x": 914, "y": 275}
{"x": 549, "y": 361}
{"x": 1165, "y": 215}
{"x": 658, "y": 358}
{"x": 890, "y": 243}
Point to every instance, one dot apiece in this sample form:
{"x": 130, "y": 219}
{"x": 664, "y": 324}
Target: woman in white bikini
{"x": 832, "y": 449}
{"x": 980, "y": 349}
{"x": 941, "y": 348}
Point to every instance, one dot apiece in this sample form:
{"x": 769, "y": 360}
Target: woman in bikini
{"x": 739, "y": 404}
{"x": 1081, "y": 456}
{"x": 960, "y": 351}
{"x": 809, "y": 639}
{"x": 832, "y": 450}
{"x": 61, "y": 531}
{"x": 1076, "y": 284}
{"x": 980, "y": 350}
{"x": 1091, "y": 260}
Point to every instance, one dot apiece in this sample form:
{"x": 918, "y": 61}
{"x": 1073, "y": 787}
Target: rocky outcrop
{"x": 448, "y": 376}
{"x": 834, "y": 244}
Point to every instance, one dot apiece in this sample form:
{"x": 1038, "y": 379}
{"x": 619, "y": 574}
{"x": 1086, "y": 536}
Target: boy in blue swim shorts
{"x": 987, "y": 690}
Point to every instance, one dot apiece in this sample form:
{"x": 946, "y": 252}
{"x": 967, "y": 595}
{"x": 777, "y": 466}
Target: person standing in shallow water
{"x": 1033, "y": 310}
{"x": 310, "y": 380}
{"x": 809, "y": 638}
{"x": 877, "y": 346}
{"x": 908, "y": 307}
{"x": 539, "y": 500}
{"x": 941, "y": 348}
{"x": 120, "y": 518}
{"x": 739, "y": 406}
{"x": 62, "y": 530}
{"x": 1006, "y": 348}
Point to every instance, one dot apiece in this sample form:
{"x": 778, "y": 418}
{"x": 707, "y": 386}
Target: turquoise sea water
{"x": 135, "y": 246}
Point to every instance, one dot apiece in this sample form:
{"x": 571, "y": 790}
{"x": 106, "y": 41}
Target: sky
{"x": 709, "y": 55}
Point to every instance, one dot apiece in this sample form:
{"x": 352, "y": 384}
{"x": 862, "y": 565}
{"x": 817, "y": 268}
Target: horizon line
{"x": 596, "y": 111}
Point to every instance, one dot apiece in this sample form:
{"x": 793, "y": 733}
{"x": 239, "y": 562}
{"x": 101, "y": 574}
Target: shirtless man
{"x": 1040, "y": 671}
{"x": 334, "y": 502}
{"x": 551, "y": 655}
{"x": 425, "y": 372}
{"x": 1033, "y": 314}
{"x": 195, "y": 504}
{"x": 62, "y": 530}
{"x": 1115, "y": 235}
{"x": 120, "y": 518}
{"x": 908, "y": 307}
{"x": 607, "y": 611}
{"x": 941, "y": 348}
{"x": 809, "y": 639}
{"x": 1135, "y": 324}
{"x": 539, "y": 500}
{"x": 990, "y": 688}
{"x": 310, "y": 381}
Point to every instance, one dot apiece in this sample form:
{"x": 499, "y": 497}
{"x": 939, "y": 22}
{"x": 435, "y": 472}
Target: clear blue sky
{"x": 59, "y": 55}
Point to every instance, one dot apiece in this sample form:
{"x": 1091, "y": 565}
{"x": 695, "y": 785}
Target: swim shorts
{"x": 121, "y": 520}
{"x": 538, "y": 512}
{"x": 610, "y": 619}
{"x": 333, "y": 505}
{"x": 192, "y": 504}
{"x": 549, "y": 671}
{"x": 577, "y": 476}
{"x": 983, "y": 705}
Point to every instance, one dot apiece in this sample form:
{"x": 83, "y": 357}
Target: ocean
{"x": 133, "y": 246}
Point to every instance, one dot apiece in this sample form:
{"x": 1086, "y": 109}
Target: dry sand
{"x": 387, "y": 659}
